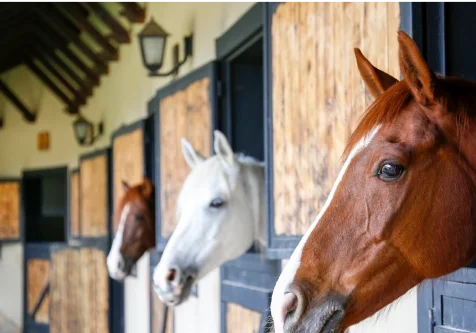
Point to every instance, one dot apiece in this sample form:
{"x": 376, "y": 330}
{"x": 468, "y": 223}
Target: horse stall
{"x": 78, "y": 268}
{"x": 132, "y": 159}
{"x": 43, "y": 219}
{"x": 186, "y": 108}
{"x": 246, "y": 287}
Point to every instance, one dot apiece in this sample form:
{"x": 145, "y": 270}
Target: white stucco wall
{"x": 11, "y": 281}
{"x": 121, "y": 98}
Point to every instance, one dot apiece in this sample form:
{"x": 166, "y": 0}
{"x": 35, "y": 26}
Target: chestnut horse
{"x": 135, "y": 235}
{"x": 403, "y": 207}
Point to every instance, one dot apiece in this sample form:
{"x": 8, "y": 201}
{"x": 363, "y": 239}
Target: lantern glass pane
{"x": 153, "y": 50}
{"x": 81, "y": 130}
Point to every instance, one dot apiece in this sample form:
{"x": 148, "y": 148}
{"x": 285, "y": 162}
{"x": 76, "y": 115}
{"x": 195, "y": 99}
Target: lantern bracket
{"x": 188, "y": 52}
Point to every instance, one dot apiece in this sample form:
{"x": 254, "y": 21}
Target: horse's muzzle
{"x": 325, "y": 317}
{"x": 175, "y": 287}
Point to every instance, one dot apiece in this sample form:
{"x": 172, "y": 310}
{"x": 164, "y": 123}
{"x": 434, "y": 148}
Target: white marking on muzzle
{"x": 287, "y": 275}
{"x": 115, "y": 261}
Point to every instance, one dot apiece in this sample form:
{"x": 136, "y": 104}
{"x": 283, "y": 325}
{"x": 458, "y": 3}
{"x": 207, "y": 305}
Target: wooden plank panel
{"x": 75, "y": 209}
{"x": 79, "y": 291}
{"x": 93, "y": 189}
{"x": 128, "y": 161}
{"x": 65, "y": 292}
{"x": 38, "y": 273}
{"x": 242, "y": 320}
{"x": 318, "y": 96}
{"x": 9, "y": 210}
{"x": 95, "y": 291}
{"x": 186, "y": 113}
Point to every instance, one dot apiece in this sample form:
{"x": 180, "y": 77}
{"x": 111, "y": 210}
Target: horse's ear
{"x": 376, "y": 80}
{"x": 147, "y": 187}
{"x": 125, "y": 186}
{"x": 192, "y": 157}
{"x": 416, "y": 72}
{"x": 223, "y": 148}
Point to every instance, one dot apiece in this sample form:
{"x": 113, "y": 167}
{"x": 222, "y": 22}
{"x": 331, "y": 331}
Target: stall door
{"x": 44, "y": 203}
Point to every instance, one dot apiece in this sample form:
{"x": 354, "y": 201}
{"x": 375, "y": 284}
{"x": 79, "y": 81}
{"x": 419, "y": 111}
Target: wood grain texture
{"x": 94, "y": 290}
{"x": 75, "y": 209}
{"x": 128, "y": 162}
{"x": 319, "y": 96}
{"x": 94, "y": 198}
{"x": 9, "y": 210}
{"x": 38, "y": 275}
{"x": 185, "y": 114}
{"x": 65, "y": 292}
{"x": 242, "y": 320}
{"x": 79, "y": 291}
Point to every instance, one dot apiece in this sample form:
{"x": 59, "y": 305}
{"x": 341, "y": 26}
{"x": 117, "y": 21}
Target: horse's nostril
{"x": 120, "y": 265}
{"x": 289, "y": 303}
{"x": 171, "y": 274}
{"x": 293, "y": 306}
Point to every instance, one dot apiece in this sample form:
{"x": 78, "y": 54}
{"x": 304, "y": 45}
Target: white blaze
{"x": 287, "y": 275}
{"x": 114, "y": 258}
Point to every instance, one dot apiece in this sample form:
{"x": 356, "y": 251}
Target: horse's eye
{"x": 216, "y": 203}
{"x": 139, "y": 217}
{"x": 390, "y": 171}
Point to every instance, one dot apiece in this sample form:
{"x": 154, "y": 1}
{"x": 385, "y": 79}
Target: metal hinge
{"x": 431, "y": 318}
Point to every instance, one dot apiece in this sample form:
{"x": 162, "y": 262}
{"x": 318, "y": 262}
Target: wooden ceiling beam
{"x": 133, "y": 12}
{"x": 79, "y": 95}
{"x": 120, "y": 34}
{"x": 85, "y": 85}
{"x": 72, "y": 106}
{"x": 68, "y": 9}
{"x": 53, "y": 43}
{"x": 54, "y": 22}
{"x": 26, "y": 113}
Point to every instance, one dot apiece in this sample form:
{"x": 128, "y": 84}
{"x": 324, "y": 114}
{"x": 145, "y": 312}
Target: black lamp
{"x": 152, "y": 41}
{"x": 84, "y": 131}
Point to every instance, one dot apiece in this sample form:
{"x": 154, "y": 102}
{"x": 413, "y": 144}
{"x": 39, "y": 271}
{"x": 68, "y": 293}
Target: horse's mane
{"x": 457, "y": 95}
{"x": 248, "y": 160}
{"x": 383, "y": 110}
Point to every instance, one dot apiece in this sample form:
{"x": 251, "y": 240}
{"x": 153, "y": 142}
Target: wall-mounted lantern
{"x": 152, "y": 40}
{"x": 84, "y": 131}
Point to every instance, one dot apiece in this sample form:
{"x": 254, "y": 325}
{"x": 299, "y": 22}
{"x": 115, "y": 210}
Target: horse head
{"x": 402, "y": 209}
{"x": 219, "y": 214}
{"x": 135, "y": 235}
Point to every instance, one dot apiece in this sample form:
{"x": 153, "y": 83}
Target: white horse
{"x": 220, "y": 214}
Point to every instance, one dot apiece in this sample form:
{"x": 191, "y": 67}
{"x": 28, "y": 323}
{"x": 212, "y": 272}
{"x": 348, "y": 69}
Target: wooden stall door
{"x": 128, "y": 159}
{"x": 184, "y": 109}
{"x": 37, "y": 286}
{"x": 79, "y": 291}
{"x": 10, "y": 210}
{"x": 44, "y": 214}
{"x": 316, "y": 99}
{"x": 79, "y": 281}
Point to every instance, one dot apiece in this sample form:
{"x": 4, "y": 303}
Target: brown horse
{"x": 403, "y": 208}
{"x": 135, "y": 235}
